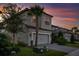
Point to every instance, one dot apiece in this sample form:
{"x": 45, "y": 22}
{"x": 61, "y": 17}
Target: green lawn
{"x": 28, "y": 52}
{"x": 55, "y": 53}
{"x": 76, "y": 44}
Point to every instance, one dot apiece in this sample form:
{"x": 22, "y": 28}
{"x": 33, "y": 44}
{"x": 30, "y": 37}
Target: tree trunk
{"x": 13, "y": 39}
{"x": 37, "y": 28}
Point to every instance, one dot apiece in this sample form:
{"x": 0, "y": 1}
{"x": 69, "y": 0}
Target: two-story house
{"x": 44, "y": 36}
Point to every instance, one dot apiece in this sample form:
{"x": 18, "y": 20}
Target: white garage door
{"x": 42, "y": 39}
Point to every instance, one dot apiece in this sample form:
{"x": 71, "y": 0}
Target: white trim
{"x": 32, "y": 36}
{"x": 43, "y": 33}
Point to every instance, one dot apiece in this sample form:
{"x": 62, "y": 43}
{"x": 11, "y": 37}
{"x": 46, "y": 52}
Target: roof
{"x": 47, "y": 14}
{"x": 29, "y": 26}
{"x": 26, "y": 9}
{"x": 60, "y": 27}
{"x": 68, "y": 31}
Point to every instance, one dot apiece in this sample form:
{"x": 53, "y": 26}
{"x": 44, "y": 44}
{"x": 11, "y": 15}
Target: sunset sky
{"x": 64, "y": 15}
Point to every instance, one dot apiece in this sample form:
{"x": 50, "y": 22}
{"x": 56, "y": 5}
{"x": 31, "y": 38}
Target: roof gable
{"x": 26, "y": 9}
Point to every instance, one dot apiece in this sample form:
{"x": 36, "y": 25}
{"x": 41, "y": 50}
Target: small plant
{"x": 15, "y": 50}
{"x": 41, "y": 51}
{"x": 21, "y": 44}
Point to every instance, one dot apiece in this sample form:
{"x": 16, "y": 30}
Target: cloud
{"x": 71, "y": 19}
{"x": 1, "y": 7}
{"x": 63, "y": 17}
{"x": 62, "y": 12}
{"x": 69, "y": 26}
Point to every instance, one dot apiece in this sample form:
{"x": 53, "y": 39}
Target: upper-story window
{"x": 47, "y": 22}
{"x": 33, "y": 20}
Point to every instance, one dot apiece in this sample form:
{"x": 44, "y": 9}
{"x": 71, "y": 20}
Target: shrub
{"x": 72, "y": 38}
{"x": 53, "y": 37}
{"x": 21, "y": 44}
{"x": 61, "y": 41}
{"x": 4, "y": 43}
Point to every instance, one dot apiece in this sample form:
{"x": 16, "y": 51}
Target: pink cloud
{"x": 62, "y": 17}
{"x": 61, "y": 12}
{"x": 69, "y": 26}
{"x": 70, "y": 19}
{"x": 1, "y": 7}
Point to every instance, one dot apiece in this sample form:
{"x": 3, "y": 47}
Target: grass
{"x": 76, "y": 44}
{"x": 55, "y": 53}
{"x": 25, "y": 51}
{"x": 28, "y": 52}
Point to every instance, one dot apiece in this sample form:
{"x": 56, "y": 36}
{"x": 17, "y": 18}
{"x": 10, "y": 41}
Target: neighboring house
{"x": 66, "y": 32}
{"x": 44, "y": 36}
{"x": 77, "y": 35}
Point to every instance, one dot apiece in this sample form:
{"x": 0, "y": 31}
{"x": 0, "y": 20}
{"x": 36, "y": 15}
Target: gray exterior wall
{"x": 40, "y": 31}
{"x": 67, "y": 36}
{"x": 45, "y": 18}
{"x": 29, "y": 21}
{"x": 23, "y": 36}
{"x": 26, "y": 36}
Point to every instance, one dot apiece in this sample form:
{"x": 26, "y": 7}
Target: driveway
{"x": 73, "y": 53}
{"x": 61, "y": 48}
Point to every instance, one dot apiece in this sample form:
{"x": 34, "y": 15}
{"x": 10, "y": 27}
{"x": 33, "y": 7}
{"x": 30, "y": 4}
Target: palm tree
{"x": 36, "y": 12}
{"x": 1, "y": 21}
{"x": 13, "y": 22}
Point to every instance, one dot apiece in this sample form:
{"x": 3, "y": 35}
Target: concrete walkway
{"x": 74, "y": 53}
{"x": 61, "y": 48}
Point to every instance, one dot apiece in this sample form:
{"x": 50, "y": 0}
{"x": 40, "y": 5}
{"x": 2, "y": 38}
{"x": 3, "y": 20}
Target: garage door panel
{"x": 42, "y": 38}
